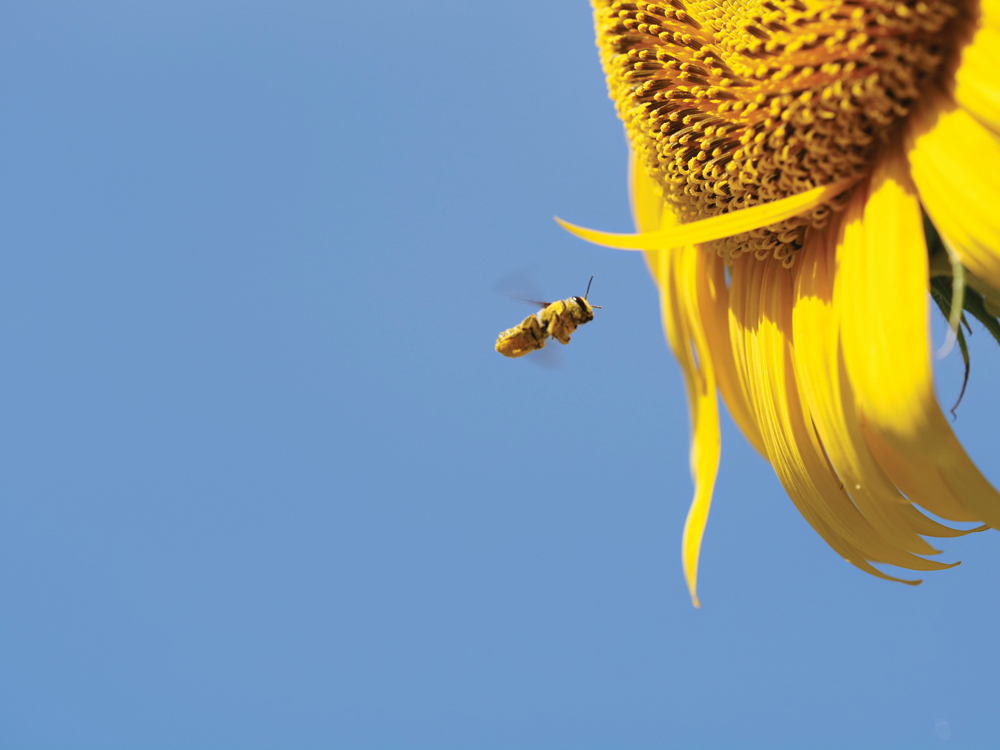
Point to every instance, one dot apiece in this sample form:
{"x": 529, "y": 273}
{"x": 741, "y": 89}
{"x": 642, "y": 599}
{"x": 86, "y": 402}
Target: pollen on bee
{"x": 557, "y": 320}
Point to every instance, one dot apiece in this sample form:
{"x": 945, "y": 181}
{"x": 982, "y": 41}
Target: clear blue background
{"x": 264, "y": 481}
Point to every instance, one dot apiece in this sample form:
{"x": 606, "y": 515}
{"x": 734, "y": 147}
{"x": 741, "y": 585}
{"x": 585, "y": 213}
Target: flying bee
{"x": 556, "y": 319}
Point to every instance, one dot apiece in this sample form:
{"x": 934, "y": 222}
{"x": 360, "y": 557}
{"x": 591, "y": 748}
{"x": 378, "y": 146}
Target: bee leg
{"x": 534, "y": 334}
{"x": 562, "y": 332}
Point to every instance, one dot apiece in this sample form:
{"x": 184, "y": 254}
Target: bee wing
{"x": 541, "y": 305}
{"x": 520, "y": 286}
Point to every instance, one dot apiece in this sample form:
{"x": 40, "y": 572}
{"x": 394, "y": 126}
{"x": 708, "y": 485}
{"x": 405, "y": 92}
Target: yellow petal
{"x": 929, "y": 527}
{"x": 991, "y": 12}
{"x": 827, "y": 392}
{"x": 761, "y": 297}
{"x": 920, "y": 482}
{"x": 713, "y": 308}
{"x": 645, "y": 197}
{"x": 680, "y": 319}
{"x": 716, "y": 227}
{"x": 650, "y": 213}
{"x": 882, "y": 266}
{"x": 977, "y": 86}
{"x": 677, "y": 273}
{"x": 955, "y": 163}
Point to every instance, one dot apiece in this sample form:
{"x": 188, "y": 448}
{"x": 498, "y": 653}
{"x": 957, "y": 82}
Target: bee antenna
{"x": 587, "y": 293}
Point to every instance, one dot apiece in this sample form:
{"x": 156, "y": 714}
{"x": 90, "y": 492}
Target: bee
{"x": 556, "y": 319}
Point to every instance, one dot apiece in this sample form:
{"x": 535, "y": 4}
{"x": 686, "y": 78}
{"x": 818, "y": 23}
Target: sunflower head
{"x": 733, "y": 103}
{"x": 790, "y": 160}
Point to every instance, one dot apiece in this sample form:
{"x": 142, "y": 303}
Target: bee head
{"x": 587, "y": 308}
{"x": 584, "y": 312}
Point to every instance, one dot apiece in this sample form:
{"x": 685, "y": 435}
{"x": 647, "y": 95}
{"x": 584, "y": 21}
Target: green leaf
{"x": 934, "y": 243}
{"x": 944, "y": 259}
{"x": 964, "y": 348}
{"x": 942, "y": 293}
{"x": 975, "y": 305}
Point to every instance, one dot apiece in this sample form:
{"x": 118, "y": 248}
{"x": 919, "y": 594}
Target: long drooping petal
{"x": 675, "y": 272}
{"x": 687, "y": 338}
{"x": 881, "y": 300}
{"x": 695, "y": 306}
{"x": 649, "y": 214}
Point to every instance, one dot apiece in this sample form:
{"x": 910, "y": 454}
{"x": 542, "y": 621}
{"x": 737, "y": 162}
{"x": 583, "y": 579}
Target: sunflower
{"x": 803, "y": 173}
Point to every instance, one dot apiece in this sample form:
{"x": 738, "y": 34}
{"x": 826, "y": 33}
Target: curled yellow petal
{"x": 716, "y": 227}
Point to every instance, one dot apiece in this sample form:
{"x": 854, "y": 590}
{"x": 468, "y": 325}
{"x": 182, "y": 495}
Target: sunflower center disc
{"x": 731, "y": 103}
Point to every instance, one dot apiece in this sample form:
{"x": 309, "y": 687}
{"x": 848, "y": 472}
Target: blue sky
{"x": 265, "y": 482}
